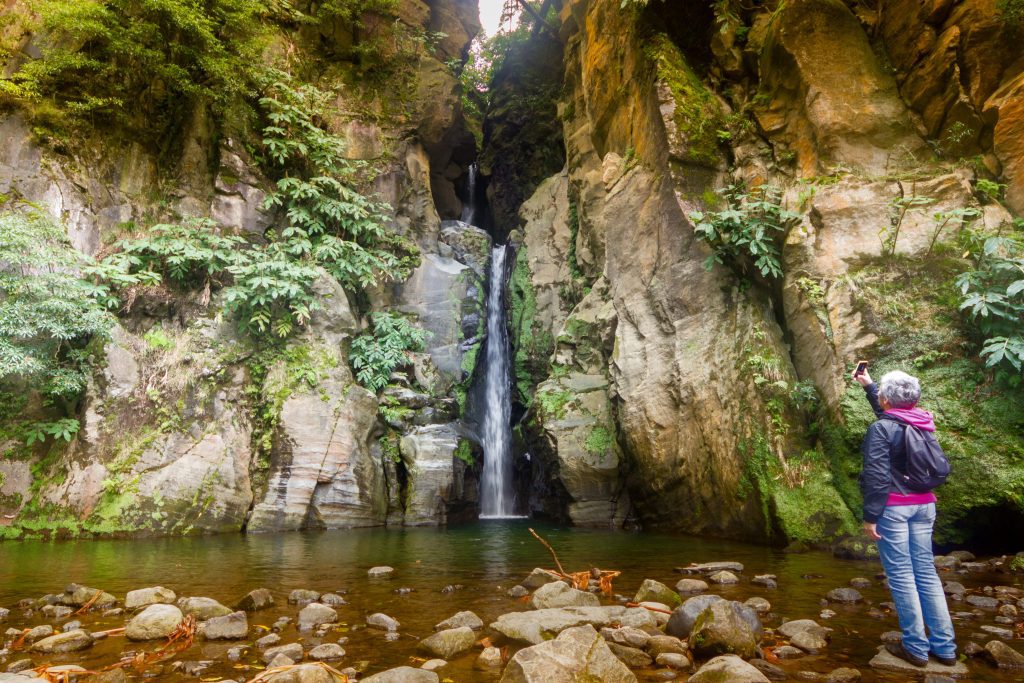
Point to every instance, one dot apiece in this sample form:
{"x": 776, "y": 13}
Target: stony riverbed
{"x": 712, "y": 621}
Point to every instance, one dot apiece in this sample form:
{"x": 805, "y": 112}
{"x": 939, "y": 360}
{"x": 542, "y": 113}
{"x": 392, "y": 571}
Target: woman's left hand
{"x": 871, "y": 530}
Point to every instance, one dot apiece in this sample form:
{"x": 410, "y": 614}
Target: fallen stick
{"x": 262, "y": 676}
{"x": 552, "y": 551}
{"x": 647, "y": 607}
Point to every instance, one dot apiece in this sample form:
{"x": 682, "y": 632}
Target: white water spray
{"x": 496, "y": 496}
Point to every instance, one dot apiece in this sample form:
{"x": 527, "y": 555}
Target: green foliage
{"x": 141, "y": 63}
{"x": 48, "y": 312}
{"x": 599, "y": 441}
{"x": 990, "y": 189}
{"x": 328, "y": 219}
{"x": 192, "y": 254}
{"x": 748, "y": 230}
{"x": 157, "y": 339}
{"x": 1011, "y": 12}
{"x": 63, "y": 429}
{"x": 961, "y": 217}
{"x": 993, "y": 291}
{"x": 552, "y": 403}
{"x": 375, "y": 354}
{"x": 899, "y": 207}
{"x": 465, "y": 453}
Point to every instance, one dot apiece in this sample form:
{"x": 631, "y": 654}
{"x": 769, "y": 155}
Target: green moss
{"x": 599, "y": 441}
{"x": 532, "y": 343}
{"x": 551, "y": 404}
{"x": 698, "y": 115}
{"x": 465, "y": 452}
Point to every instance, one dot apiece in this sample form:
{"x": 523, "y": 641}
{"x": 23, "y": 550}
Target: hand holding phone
{"x": 860, "y": 375}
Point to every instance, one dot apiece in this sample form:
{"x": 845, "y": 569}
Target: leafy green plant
{"x": 748, "y": 230}
{"x": 140, "y": 63}
{"x": 375, "y": 354}
{"x": 63, "y": 429}
{"x": 962, "y": 217}
{"x": 190, "y": 254}
{"x": 48, "y": 312}
{"x": 990, "y": 189}
{"x": 993, "y": 292}
{"x": 899, "y": 207}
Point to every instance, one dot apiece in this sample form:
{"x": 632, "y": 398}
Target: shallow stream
{"x": 485, "y": 559}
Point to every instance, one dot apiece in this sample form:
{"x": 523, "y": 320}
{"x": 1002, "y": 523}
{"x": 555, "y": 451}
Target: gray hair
{"x": 899, "y": 389}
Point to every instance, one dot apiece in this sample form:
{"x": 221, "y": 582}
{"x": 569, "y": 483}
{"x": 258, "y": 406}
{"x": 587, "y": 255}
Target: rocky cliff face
{"x": 712, "y": 403}
{"x": 189, "y": 426}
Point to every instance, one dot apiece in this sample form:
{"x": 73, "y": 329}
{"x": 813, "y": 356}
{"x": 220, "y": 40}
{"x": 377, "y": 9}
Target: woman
{"x": 901, "y": 521}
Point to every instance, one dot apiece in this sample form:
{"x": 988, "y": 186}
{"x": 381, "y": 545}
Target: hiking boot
{"x": 896, "y": 650}
{"x": 944, "y": 661}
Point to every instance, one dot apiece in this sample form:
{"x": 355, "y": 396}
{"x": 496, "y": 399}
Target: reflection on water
{"x": 484, "y": 558}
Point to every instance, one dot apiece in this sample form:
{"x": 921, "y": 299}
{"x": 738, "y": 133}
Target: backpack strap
{"x": 898, "y": 434}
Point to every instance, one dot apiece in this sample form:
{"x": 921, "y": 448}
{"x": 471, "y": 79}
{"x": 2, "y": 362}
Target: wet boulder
{"x": 720, "y": 629}
{"x": 465, "y": 618}
{"x": 327, "y": 651}
{"x": 578, "y": 653}
{"x": 305, "y": 673}
{"x": 314, "y": 614}
{"x": 403, "y": 674}
{"x": 655, "y": 591}
{"x": 144, "y": 597}
{"x": 203, "y": 608}
{"x": 691, "y": 586}
{"x": 723, "y": 577}
{"x": 633, "y": 657}
{"x": 69, "y": 641}
{"x": 844, "y": 595}
{"x": 383, "y": 622}
{"x": 559, "y": 594}
{"x": 1004, "y": 656}
{"x": 537, "y": 626}
{"x": 683, "y": 617}
{"x": 154, "y": 622}
{"x": 232, "y": 626}
{"x": 256, "y": 600}
{"x": 79, "y": 596}
{"x": 292, "y": 651}
{"x": 886, "y": 661}
{"x": 538, "y": 577}
{"x": 380, "y": 572}
{"x": 303, "y": 596}
{"x": 728, "y": 668}
{"x": 490, "y": 658}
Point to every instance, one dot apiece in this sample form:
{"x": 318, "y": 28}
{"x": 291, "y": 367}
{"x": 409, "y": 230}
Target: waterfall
{"x": 469, "y": 208}
{"x": 496, "y": 495}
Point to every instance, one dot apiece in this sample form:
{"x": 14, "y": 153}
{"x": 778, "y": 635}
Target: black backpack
{"x": 927, "y": 465}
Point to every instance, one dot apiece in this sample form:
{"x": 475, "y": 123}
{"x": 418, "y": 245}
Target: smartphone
{"x": 862, "y": 366}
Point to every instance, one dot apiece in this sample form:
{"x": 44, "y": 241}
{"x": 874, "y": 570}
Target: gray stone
{"x": 465, "y": 618}
{"x": 203, "y": 608}
{"x": 809, "y": 641}
{"x": 859, "y": 582}
{"x": 303, "y": 596}
{"x": 433, "y": 664}
{"x": 843, "y": 675}
{"x": 379, "y": 572}
{"x": 998, "y": 631}
{"x": 691, "y": 586}
{"x": 35, "y": 633}
{"x": 69, "y": 641}
{"x": 982, "y": 601}
{"x": 632, "y": 657}
{"x": 625, "y": 635}
{"x": 537, "y": 626}
{"x": 19, "y": 665}
{"x": 559, "y": 594}
{"x": 490, "y": 658}
{"x": 327, "y": 651}
{"x": 280, "y": 660}
{"x": 1004, "y": 656}
{"x": 333, "y": 600}
{"x": 232, "y": 626}
{"x": 658, "y": 645}
{"x": 292, "y": 651}
{"x": 723, "y": 577}
{"x": 268, "y": 640}
{"x": 517, "y": 592}
{"x": 954, "y": 589}
{"x": 844, "y": 595}
{"x": 791, "y": 628}
{"x": 154, "y": 622}
{"x": 719, "y": 629}
{"x": 382, "y": 621}
{"x": 578, "y": 653}
{"x": 885, "y": 661}
{"x": 450, "y": 642}
{"x": 4, "y": 613}
{"x": 256, "y": 600}
{"x": 674, "y": 661}
{"x": 758, "y": 604}
{"x": 946, "y": 562}
{"x": 56, "y": 611}
{"x": 655, "y": 591}
{"x": 788, "y": 652}
{"x": 728, "y": 668}
{"x": 539, "y": 577}
{"x": 79, "y": 596}
{"x": 304, "y": 673}
{"x": 402, "y": 674}
{"x": 144, "y": 597}
{"x": 766, "y": 580}
{"x": 684, "y": 616}
{"x": 315, "y": 614}
{"x": 962, "y": 555}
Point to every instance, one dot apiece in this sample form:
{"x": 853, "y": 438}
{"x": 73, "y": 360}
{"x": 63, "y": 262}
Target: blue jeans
{"x": 906, "y": 552}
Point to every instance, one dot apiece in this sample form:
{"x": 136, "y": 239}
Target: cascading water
{"x": 496, "y": 495}
{"x": 497, "y": 499}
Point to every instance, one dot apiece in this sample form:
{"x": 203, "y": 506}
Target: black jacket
{"x": 882, "y": 452}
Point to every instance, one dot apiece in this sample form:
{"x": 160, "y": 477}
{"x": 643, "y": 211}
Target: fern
{"x": 375, "y": 354}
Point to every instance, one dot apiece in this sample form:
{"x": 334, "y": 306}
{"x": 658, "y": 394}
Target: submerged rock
{"x": 1003, "y": 656}
{"x": 327, "y": 651}
{"x": 465, "y": 618}
{"x": 710, "y": 568}
{"x": 232, "y": 626}
{"x": 691, "y": 586}
{"x": 203, "y": 608}
{"x": 303, "y": 596}
{"x": 537, "y": 626}
{"x": 450, "y": 642}
{"x": 380, "y": 572}
{"x": 382, "y": 621}
{"x": 79, "y": 596}
{"x": 538, "y": 577}
{"x": 844, "y": 595}
{"x": 292, "y": 651}
{"x": 723, "y": 577}
{"x": 315, "y": 614}
{"x": 304, "y": 673}
{"x": 683, "y": 617}
{"x": 577, "y": 654}
{"x": 69, "y": 641}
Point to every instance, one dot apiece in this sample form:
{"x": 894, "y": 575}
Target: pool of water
{"x": 485, "y": 559}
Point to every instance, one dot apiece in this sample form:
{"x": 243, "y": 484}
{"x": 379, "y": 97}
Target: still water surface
{"x": 485, "y": 559}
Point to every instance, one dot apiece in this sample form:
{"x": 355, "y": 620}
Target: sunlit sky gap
{"x": 490, "y": 15}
